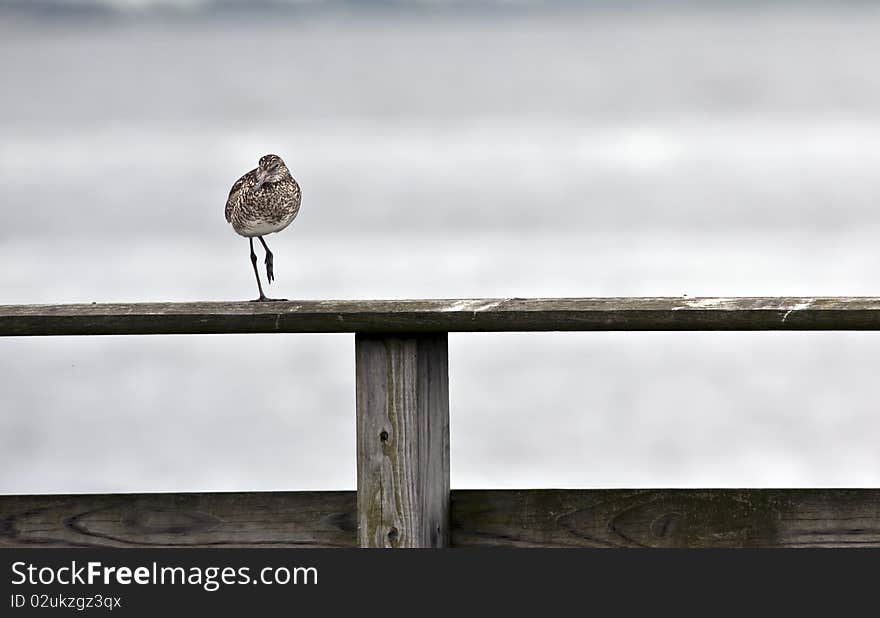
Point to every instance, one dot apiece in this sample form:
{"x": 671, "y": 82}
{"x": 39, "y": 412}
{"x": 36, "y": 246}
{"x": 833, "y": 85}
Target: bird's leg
{"x": 270, "y": 261}
{"x": 256, "y": 272}
{"x": 262, "y": 298}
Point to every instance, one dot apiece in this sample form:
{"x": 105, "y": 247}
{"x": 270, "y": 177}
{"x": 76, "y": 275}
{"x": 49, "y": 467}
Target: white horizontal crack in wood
{"x": 474, "y": 305}
{"x": 798, "y": 307}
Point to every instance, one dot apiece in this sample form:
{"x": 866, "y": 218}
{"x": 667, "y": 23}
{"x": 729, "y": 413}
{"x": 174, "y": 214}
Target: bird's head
{"x": 270, "y": 169}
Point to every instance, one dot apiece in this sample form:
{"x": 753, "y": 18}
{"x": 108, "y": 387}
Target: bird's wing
{"x": 236, "y": 194}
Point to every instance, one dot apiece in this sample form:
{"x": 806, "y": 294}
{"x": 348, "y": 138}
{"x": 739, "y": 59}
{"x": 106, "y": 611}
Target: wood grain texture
{"x": 668, "y": 518}
{"x": 402, "y": 440}
{"x": 480, "y": 518}
{"x": 294, "y": 519}
{"x": 424, "y": 316}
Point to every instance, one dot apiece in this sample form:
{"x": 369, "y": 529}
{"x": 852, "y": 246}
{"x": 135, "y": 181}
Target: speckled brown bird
{"x": 263, "y": 201}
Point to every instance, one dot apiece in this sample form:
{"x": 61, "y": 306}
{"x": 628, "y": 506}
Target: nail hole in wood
{"x": 383, "y": 436}
{"x": 392, "y": 534}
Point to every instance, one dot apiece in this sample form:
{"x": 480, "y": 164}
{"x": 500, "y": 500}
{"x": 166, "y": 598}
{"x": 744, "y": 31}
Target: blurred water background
{"x": 444, "y": 150}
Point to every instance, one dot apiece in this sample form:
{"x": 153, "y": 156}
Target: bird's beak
{"x": 262, "y": 176}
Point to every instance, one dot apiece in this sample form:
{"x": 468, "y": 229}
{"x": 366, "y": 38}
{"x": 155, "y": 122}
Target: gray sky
{"x": 586, "y": 154}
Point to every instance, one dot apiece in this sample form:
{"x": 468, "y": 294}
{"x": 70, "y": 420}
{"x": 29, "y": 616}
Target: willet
{"x": 263, "y": 201}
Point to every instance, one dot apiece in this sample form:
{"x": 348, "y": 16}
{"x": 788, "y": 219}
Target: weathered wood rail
{"x": 439, "y": 316}
{"x": 403, "y": 497}
{"x": 479, "y": 518}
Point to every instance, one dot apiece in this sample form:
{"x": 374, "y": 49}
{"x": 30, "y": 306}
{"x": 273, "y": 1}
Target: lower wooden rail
{"x": 518, "y": 518}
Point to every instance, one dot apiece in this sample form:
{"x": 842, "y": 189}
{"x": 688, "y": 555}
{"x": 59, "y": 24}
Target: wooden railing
{"x": 403, "y": 497}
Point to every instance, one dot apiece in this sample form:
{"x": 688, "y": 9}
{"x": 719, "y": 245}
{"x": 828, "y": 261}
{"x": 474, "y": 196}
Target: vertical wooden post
{"x": 402, "y": 440}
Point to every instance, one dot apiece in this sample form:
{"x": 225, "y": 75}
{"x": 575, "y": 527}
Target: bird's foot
{"x": 270, "y": 268}
{"x": 266, "y": 299}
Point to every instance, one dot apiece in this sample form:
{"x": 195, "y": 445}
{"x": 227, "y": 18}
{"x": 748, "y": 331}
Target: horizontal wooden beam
{"x": 668, "y": 518}
{"x": 264, "y": 519}
{"x": 517, "y": 518}
{"x": 420, "y": 316}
